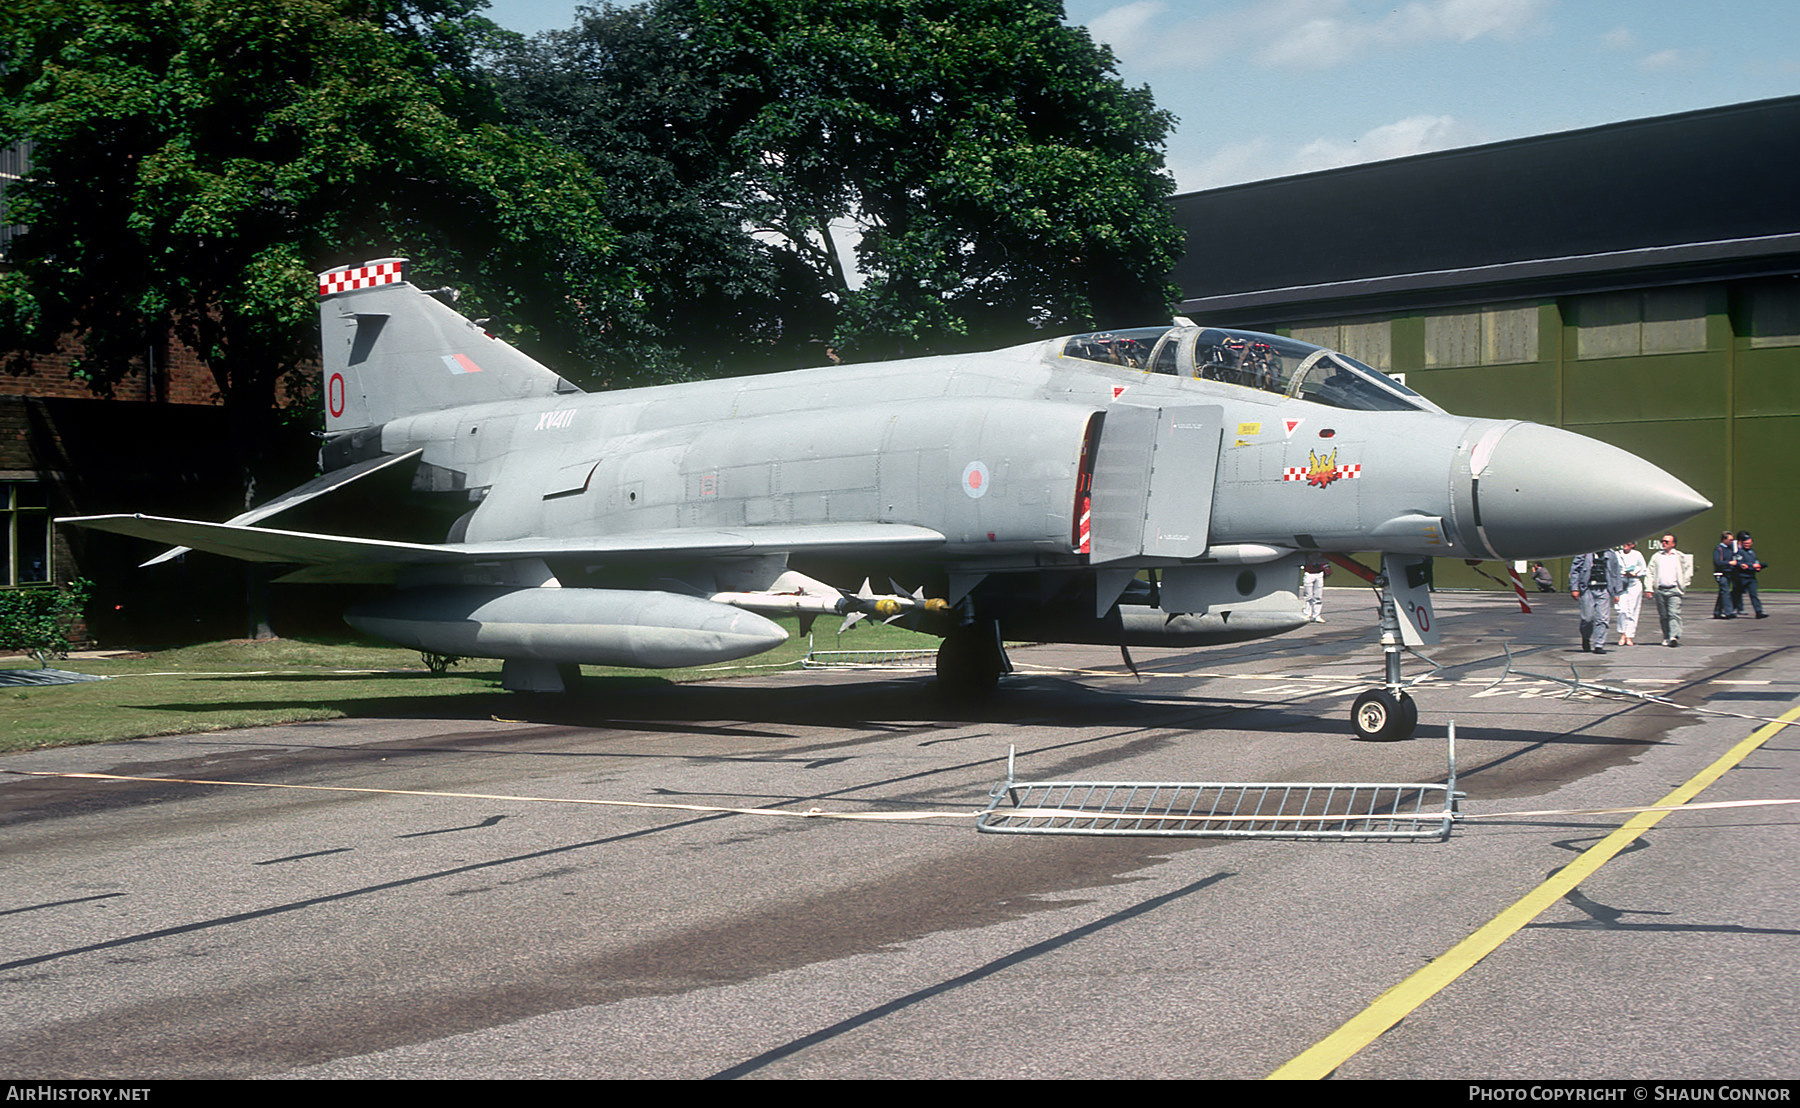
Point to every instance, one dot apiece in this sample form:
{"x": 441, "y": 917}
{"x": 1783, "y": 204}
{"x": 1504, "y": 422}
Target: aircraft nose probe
{"x": 1542, "y": 492}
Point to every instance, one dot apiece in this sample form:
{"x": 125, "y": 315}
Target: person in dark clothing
{"x": 1749, "y": 563}
{"x": 1725, "y": 562}
{"x": 1594, "y": 579}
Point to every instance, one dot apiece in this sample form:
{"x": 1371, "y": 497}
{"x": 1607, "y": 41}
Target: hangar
{"x": 1638, "y": 283}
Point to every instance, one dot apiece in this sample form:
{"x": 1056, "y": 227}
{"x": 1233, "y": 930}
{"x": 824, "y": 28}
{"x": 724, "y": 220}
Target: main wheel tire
{"x": 1381, "y": 716}
{"x": 968, "y": 663}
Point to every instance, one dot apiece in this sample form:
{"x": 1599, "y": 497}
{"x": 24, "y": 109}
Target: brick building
{"x": 158, "y": 444}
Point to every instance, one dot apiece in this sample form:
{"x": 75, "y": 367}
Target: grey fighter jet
{"x": 1150, "y": 487}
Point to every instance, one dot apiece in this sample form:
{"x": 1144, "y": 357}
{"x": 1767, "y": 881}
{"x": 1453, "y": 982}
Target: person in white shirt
{"x": 1633, "y": 569}
{"x": 1670, "y": 572}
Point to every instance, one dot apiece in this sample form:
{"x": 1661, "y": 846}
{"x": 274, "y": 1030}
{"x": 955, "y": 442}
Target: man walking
{"x": 1671, "y": 570}
{"x": 1725, "y": 563}
{"x": 1748, "y": 565}
{"x": 1595, "y": 581}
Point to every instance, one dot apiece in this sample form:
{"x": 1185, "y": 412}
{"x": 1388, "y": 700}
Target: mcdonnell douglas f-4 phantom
{"x": 1151, "y": 487}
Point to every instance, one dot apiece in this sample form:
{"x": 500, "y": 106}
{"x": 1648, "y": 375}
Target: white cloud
{"x": 1619, "y": 38}
{"x": 1467, "y": 20}
{"x": 1418, "y": 134}
{"x": 1623, "y": 40}
{"x": 1225, "y": 165}
{"x": 1125, "y": 28}
{"x": 1334, "y": 35}
{"x": 1669, "y": 61}
{"x": 1258, "y": 159}
{"x": 1312, "y": 34}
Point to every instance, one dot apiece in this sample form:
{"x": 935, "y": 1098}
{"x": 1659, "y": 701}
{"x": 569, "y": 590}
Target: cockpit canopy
{"x": 1249, "y": 359}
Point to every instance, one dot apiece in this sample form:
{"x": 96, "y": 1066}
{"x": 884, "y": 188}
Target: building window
{"x": 1369, "y": 342}
{"x": 27, "y": 515}
{"x": 1654, "y": 321}
{"x": 1775, "y": 314}
{"x": 1482, "y": 336}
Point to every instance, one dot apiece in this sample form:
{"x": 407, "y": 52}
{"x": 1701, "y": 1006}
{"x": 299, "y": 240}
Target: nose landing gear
{"x": 1384, "y": 716}
{"x": 1403, "y": 590}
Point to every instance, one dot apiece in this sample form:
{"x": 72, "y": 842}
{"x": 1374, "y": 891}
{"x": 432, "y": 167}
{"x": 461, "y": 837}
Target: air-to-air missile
{"x": 1159, "y": 486}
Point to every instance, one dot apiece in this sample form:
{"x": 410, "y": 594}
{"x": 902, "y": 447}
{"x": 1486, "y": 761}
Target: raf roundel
{"x": 975, "y": 480}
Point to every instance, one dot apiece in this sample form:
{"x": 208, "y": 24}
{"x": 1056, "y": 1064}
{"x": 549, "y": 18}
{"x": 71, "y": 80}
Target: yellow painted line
{"x": 1325, "y": 1056}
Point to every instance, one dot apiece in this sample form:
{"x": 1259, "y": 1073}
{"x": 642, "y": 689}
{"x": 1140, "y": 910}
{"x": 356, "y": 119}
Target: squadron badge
{"x": 1321, "y": 471}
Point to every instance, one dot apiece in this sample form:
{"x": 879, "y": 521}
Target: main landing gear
{"x": 970, "y": 661}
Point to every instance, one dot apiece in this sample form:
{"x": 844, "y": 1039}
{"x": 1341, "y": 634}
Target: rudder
{"x": 390, "y": 350}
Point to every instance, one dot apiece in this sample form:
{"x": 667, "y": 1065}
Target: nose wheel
{"x": 1384, "y": 716}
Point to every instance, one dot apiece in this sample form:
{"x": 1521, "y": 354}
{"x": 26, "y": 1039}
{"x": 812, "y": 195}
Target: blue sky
{"x": 1266, "y": 88}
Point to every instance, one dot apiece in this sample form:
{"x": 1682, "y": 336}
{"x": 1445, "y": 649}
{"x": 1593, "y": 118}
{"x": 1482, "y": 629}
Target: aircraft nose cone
{"x": 1547, "y": 493}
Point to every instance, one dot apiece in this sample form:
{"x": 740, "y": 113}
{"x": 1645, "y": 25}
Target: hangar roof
{"x": 1702, "y": 195}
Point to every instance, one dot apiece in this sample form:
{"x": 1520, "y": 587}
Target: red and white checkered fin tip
{"x": 368, "y": 275}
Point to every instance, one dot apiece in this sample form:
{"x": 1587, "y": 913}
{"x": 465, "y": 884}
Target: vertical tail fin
{"x": 390, "y": 350}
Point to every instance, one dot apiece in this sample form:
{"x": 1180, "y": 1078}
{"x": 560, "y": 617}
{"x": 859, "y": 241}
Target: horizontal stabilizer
{"x": 261, "y": 544}
{"x": 293, "y": 498}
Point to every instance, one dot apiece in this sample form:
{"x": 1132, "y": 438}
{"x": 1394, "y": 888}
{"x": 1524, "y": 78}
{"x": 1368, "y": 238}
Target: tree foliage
{"x": 621, "y": 89}
{"x": 38, "y": 621}
{"x": 197, "y": 161}
{"x": 994, "y": 173}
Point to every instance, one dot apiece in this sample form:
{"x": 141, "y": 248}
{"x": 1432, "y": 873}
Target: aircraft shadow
{"x": 905, "y": 703}
{"x": 1034, "y": 704}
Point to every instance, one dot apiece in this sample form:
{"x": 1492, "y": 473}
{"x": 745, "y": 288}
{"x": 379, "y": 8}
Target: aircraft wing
{"x": 264, "y": 544}
{"x": 812, "y": 538}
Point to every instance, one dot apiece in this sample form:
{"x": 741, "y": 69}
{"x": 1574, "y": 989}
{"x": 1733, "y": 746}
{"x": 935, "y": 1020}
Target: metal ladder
{"x": 1383, "y": 811}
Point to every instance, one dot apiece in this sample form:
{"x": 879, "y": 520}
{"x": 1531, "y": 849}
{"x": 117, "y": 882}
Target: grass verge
{"x": 222, "y": 685}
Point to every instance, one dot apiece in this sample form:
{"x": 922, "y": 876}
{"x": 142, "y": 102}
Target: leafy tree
{"x": 1001, "y": 175}
{"x": 197, "y": 161}
{"x": 996, "y": 176}
{"x": 621, "y": 89}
